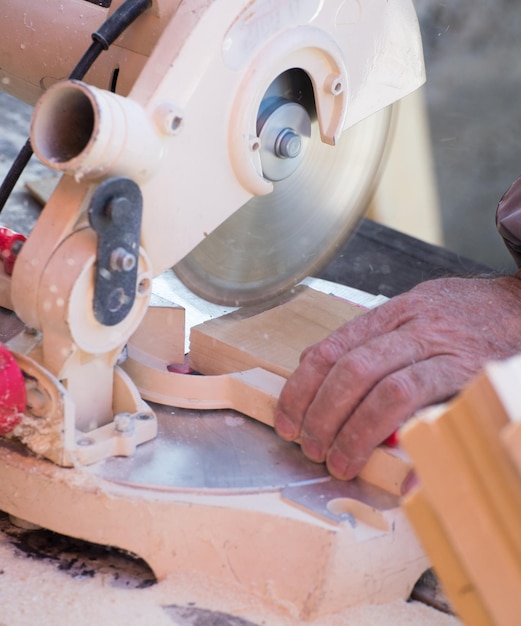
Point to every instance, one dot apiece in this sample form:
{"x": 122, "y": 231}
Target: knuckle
{"x": 290, "y": 397}
{"x": 398, "y": 389}
{"x": 306, "y": 352}
{"x": 421, "y": 344}
{"x": 345, "y": 462}
{"x": 360, "y": 363}
{"x": 330, "y": 350}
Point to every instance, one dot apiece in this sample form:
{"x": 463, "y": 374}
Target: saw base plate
{"x": 219, "y": 495}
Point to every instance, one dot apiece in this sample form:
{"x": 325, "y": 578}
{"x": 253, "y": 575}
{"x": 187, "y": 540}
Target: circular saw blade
{"x": 274, "y": 241}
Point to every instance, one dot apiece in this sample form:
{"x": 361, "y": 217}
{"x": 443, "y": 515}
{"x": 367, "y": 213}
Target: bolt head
{"x": 288, "y": 144}
{"x": 122, "y": 260}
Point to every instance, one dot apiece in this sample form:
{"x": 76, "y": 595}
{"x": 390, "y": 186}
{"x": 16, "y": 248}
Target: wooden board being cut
{"x": 246, "y": 357}
{"x": 271, "y": 337}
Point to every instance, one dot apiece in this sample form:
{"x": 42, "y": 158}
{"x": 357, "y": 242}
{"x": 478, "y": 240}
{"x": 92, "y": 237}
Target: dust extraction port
{"x": 63, "y": 124}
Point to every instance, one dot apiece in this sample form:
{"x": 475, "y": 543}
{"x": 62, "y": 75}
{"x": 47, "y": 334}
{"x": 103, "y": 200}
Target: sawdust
{"x": 40, "y": 435}
{"x": 37, "y": 592}
{"x": 33, "y": 592}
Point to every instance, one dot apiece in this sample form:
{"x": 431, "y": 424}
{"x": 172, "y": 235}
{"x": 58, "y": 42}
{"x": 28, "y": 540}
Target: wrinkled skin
{"x": 354, "y": 388}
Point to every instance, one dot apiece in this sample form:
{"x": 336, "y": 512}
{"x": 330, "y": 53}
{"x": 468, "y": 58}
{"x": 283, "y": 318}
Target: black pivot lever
{"x": 115, "y": 214}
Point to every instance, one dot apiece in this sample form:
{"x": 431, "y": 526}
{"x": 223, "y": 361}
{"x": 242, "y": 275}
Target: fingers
{"x": 301, "y": 387}
{"x": 355, "y": 388}
{"x": 390, "y": 403}
{"x": 317, "y": 362}
{"x": 349, "y": 381}
{"x": 329, "y": 385}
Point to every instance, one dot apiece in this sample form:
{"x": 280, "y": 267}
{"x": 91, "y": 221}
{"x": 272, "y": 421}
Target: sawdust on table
{"x": 38, "y": 592}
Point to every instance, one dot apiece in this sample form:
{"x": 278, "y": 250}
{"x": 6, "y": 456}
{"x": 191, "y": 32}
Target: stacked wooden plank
{"x": 467, "y": 508}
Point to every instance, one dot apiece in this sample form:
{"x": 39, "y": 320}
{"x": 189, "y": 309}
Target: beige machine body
{"x": 194, "y": 75}
{"x": 200, "y": 108}
{"x": 184, "y": 125}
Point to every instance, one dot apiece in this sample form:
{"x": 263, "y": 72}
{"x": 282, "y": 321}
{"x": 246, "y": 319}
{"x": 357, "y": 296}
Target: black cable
{"x": 120, "y": 20}
{"x": 15, "y": 171}
{"x": 86, "y": 61}
{"x": 102, "y": 39}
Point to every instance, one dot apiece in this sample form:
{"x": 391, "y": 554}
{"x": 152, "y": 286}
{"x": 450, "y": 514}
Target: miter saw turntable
{"x": 237, "y": 142}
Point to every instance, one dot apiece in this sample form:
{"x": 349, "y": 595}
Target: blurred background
{"x": 473, "y": 60}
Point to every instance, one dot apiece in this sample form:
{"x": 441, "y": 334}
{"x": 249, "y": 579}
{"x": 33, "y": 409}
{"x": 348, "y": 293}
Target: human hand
{"x": 354, "y": 388}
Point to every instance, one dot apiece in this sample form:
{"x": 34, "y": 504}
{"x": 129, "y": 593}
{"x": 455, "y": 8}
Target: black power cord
{"x": 102, "y": 39}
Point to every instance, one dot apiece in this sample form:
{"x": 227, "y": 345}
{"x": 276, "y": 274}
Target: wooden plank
{"x": 254, "y": 339}
{"x": 460, "y": 590}
{"x": 42, "y": 188}
{"x": 511, "y": 439}
{"x": 458, "y": 460}
{"x": 167, "y": 345}
{"x": 272, "y": 339}
{"x": 478, "y": 425}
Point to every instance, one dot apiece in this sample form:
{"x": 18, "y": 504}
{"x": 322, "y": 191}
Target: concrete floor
{"x": 21, "y": 211}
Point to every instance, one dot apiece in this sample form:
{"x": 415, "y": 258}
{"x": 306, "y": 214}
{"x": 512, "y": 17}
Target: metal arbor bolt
{"x": 288, "y": 144}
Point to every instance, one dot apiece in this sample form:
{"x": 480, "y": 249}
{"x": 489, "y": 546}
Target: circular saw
{"x": 254, "y": 130}
{"x": 238, "y": 142}
{"x": 319, "y": 193}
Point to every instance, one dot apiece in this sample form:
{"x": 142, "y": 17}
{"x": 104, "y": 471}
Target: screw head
{"x": 169, "y": 118}
{"x": 124, "y": 423}
{"x": 118, "y": 209}
{"x": 85, "y": 441}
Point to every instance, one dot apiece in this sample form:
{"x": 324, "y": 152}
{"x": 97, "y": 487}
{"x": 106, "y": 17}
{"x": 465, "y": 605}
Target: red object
{"x": 393, "y": 440}
{"x": 12, "y": 392}
{"x": 180, "y": 368}
{"x": 10, "y": 244}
